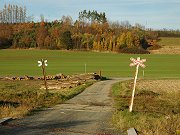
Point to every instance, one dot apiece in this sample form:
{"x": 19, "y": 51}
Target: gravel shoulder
{"x": 89, "y": 113}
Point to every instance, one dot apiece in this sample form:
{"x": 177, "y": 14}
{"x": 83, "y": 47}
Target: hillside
{"x": 170, "y": 45}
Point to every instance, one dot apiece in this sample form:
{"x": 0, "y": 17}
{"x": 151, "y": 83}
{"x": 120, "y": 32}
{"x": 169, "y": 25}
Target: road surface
{"x": 89, "y": 113}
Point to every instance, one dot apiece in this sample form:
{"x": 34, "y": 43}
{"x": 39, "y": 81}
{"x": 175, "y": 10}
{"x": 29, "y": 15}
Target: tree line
{"x": 92, "y": 16}
{"x": 168, "y": 33}
{"x": 91, "y": 31}
{"x": 13, "y": 14}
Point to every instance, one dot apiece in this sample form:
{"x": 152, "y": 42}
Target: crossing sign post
{"x": 43, "y": 63}
{"x": 135, "y": 62}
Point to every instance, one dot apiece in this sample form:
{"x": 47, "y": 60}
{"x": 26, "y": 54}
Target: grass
{"x": 169, "y": 41}
{"x": 154, "y": 112}
{"x": 24, "y": 62}
{"x": 19, "y": 98}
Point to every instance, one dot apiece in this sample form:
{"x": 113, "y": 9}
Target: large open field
{"x": 169, "y": 41}
{"x": 170, "y": 45}
{"x": 24, "y": 62}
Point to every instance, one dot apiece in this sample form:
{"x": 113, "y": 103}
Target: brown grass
{"x": 160, "y": 86}
{"x": 19, "y": 98}
{"x": 156, "y": 109}
{"x": 167, "y": 50}
{"x": 169, "y": 45}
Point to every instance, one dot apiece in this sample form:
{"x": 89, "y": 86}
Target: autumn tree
{"x": 91, "y": 31}
{"x": 6, "y": 35}
{"x": 41, "y": 34}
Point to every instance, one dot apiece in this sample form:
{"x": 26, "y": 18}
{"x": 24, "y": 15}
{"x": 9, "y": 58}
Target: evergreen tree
{"x": 66, "y": 40}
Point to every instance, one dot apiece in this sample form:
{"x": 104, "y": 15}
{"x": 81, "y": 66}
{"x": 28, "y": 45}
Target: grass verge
{"x": 19, "y": 98}
{"x": 154, "y": 112}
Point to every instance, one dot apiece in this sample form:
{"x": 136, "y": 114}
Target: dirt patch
{"x": 160, "y": 85}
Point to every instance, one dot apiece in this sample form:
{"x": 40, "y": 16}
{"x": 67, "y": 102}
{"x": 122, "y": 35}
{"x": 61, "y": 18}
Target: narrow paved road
{"x": 89, "y": 113}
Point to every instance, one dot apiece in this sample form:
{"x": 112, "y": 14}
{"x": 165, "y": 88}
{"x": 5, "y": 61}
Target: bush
{"x": 134, "y": 51}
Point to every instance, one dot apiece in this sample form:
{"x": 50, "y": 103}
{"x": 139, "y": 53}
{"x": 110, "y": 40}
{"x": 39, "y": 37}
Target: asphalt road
{"x": 89, "y": 113}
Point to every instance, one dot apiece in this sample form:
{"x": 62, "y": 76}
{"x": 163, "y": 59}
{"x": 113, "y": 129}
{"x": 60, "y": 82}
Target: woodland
{"x": 91, "y": 31}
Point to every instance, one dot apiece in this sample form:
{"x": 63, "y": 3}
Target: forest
{"x": 91, "y": 31}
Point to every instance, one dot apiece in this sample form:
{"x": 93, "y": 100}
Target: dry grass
{"x": 167, "y": 50}
{"x": 160, "y": 86}
{"x": 169, "y": 41}
{"x": 169, "y": 45}
{"x": 19, "y": 98}
{"x": 156, "y": 109}
{"x": 14, "y": 112}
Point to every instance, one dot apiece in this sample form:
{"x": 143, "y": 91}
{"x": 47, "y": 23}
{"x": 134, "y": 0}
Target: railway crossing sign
{"x": 138, "y": 62}
{"x": 43, "y": 63}
{"x": 135, "y": 62}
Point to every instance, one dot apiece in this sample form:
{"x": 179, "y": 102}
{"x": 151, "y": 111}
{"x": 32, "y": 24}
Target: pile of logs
{"x": 55, "y": 77}
{"x": 59, "y": 81}
{"x": 71, "y": 81}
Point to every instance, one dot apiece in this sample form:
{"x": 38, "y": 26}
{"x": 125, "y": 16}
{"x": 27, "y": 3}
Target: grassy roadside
{"x": 19, "y": 98}
{"x": 156, "y": 111}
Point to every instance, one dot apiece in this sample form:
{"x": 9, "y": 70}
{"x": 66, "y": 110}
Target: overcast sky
{"x": 157, "y": 14}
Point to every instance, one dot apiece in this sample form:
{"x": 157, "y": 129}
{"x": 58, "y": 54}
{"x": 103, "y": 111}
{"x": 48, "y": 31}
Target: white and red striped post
{"x": 136, "y": 63}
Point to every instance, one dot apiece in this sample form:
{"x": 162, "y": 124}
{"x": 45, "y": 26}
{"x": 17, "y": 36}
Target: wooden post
{"x": 100, "y": 73}
{"x": 85, "y": 68}
{"x": 134, "y": 87}
{"x": 44, "y": 74}
{"x": 43, "y": 64}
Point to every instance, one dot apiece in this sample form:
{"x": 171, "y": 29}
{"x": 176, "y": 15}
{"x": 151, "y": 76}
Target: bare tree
{"x": 13, "y": 14}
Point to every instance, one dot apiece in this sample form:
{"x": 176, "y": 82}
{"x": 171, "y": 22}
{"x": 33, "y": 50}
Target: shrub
{"x": 134, "y": 51}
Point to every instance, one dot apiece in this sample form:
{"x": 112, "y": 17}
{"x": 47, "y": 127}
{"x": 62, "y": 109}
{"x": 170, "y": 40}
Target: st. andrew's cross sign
{"x": 136, "y": 62}
{"x": 43, "y": 63}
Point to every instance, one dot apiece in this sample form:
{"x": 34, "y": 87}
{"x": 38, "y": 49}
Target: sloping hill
{"x": 169, "y": 45}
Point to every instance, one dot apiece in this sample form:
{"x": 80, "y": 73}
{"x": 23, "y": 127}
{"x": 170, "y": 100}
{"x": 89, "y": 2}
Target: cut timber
{"x": 5, "y": 120}
{"x": 131, "y": 131}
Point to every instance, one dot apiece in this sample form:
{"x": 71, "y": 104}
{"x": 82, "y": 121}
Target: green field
{"x": 169, "y": 41}
{"x": 24, "y": 62}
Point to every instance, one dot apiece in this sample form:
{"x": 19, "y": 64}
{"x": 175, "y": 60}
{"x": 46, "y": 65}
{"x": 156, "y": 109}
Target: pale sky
{"x": 156, "y": 14}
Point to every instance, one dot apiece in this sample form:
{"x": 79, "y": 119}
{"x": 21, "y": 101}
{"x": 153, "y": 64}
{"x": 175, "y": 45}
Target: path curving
{"x": 89, "y": 113}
